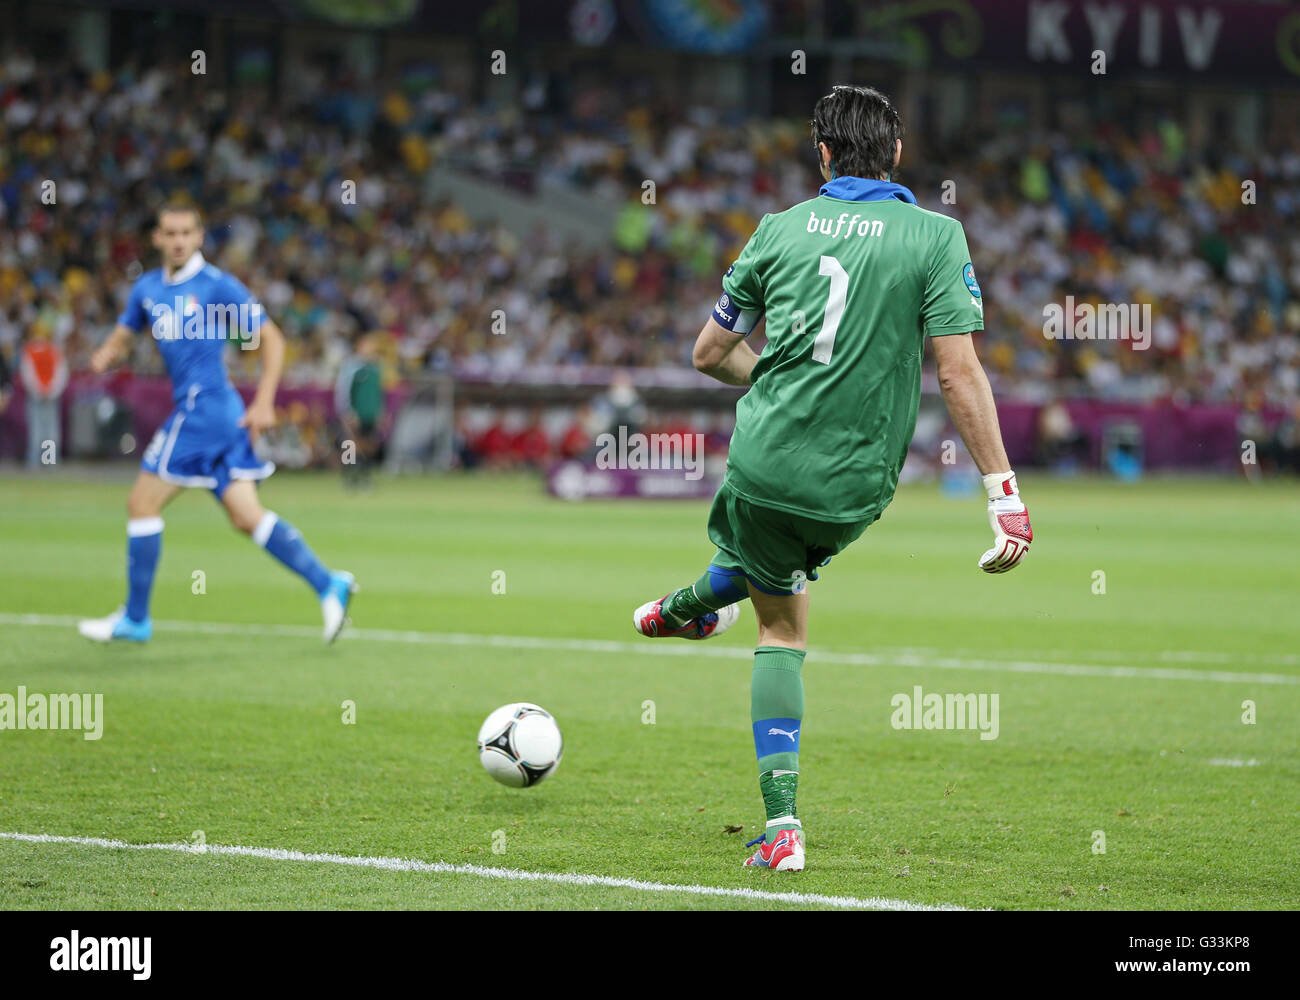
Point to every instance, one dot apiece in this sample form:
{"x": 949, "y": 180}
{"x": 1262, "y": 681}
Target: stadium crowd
{"x": 1116, "y": 215}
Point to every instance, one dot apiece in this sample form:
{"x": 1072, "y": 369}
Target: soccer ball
{"x": 520, "y": 744}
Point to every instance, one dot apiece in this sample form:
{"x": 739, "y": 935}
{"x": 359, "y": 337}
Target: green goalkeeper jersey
{"x": 851, "y": 283}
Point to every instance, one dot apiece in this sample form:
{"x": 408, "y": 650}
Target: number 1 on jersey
{"x": 824, "y": 343}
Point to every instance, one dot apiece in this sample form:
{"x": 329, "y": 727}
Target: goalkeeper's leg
{"x": 714, "y": 590}
{"x": 776, "y": 711}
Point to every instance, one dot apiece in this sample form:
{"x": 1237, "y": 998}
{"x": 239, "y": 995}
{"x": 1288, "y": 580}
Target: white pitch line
{"x": 886, "y": 658}
{"x": 1163, "y": 655}
{"x": 511, "y": 874}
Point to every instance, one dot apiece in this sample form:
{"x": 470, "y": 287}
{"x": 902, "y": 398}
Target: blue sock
{"x": 776, "y": 706}
{"x": 143, "y": 546}
{"x": 282, "y": 540}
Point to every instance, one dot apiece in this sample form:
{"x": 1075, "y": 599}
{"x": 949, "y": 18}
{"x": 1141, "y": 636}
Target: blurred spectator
{"x": 579, "y": 439}
{"x": 1062, "y": 447}
{"x": 1284, "y": 446}
{"x": 6, "y": 382}
{"x": 464, "y": 439}
{"x": 45, "y": 376}
{"x": 495, "y": 446}
{"x": 532, "y": 445}
{"x": 621, "y": 405}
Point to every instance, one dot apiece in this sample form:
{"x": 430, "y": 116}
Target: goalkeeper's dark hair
{"x": 861, "y": 129}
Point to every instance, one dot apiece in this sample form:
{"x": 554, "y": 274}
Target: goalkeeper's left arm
{"x": 969, "y": 400}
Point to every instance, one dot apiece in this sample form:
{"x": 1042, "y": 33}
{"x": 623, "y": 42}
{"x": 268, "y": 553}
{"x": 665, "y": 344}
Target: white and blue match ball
{"x": 520, "y": 744}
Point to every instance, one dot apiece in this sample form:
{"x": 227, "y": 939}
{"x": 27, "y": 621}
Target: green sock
{"x": 715, "y": 589}
{"x": 776, "y": 710}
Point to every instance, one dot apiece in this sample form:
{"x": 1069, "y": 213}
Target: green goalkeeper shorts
{"x": 777, "y": 551}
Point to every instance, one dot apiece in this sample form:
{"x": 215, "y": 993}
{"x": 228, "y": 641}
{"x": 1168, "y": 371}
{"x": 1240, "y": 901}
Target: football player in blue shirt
{"x": 192, "y": 309}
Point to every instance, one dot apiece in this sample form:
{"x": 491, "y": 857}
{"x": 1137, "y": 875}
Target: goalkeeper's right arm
{"x": 723, "y": 355}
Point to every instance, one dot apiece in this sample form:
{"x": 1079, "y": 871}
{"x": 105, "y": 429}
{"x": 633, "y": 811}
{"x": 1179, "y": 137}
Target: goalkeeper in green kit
{"x": 852, "y": 284}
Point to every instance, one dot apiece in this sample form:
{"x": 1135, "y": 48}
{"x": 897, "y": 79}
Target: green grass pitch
{"x": 1120, "y": 713}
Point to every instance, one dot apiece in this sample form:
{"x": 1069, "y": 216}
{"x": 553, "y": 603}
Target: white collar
{"x": 189, "y": 269}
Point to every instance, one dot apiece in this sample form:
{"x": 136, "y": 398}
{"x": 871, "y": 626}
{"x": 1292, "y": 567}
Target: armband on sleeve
{"x": 730, "y": 317}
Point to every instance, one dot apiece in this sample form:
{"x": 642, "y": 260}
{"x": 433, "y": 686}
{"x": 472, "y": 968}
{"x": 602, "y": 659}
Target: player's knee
{"x": 246, "y": 520}
{"x": 139, "y": 505}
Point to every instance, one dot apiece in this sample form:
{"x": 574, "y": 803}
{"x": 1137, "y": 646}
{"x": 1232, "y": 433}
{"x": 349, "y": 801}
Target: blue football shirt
{"x": 192, "y": 316}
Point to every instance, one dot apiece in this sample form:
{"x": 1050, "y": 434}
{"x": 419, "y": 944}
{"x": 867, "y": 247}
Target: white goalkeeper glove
{"x": 1009, "y": 518}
